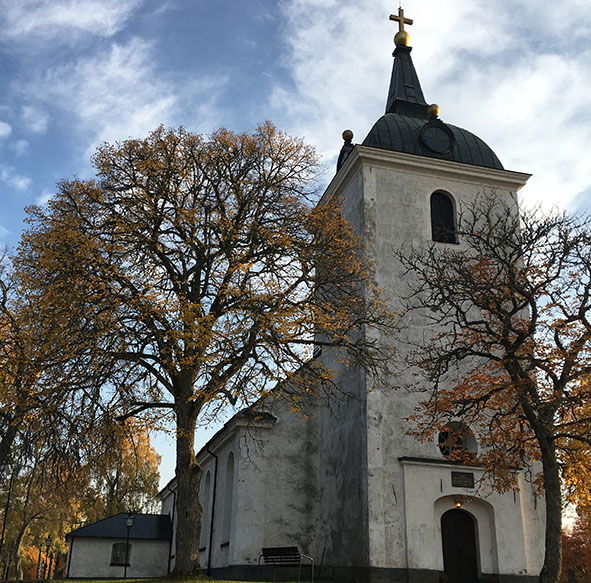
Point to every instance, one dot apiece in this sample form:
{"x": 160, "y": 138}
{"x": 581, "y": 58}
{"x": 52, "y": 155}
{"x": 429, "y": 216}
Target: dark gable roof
{"x": 145, "y": 527}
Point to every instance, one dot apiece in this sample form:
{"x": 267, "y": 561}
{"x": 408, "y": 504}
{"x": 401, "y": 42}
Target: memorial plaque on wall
{"x": 462, "y": 480}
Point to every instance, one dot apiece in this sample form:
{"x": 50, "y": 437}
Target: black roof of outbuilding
{"x": 407, "y": 112}
{"x": 145, "y": 527}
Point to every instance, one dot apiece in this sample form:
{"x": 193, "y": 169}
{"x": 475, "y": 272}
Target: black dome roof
{"x": 411, "y": 126}
{"x": 401, "y": 133}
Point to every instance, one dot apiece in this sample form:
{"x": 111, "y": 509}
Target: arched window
{"x": 205, "y": 509}
{"x": 228, "y": 496}
{"x": 120, "y": 554}
{"x": 443, "y": 218}
{"x": 457, "y": 442}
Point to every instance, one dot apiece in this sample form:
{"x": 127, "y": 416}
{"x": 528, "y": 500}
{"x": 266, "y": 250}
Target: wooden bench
{"x": 285, "y": 557}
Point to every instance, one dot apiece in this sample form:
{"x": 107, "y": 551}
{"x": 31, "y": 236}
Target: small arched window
{"x": 457, "y": 442}
{"x": 443, "y": 218}
{"x": 120, "y": 554}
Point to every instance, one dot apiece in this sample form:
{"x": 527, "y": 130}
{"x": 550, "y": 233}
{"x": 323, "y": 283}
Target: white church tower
{"x": 392, "y": 508}
{"x": 349, "y": 486}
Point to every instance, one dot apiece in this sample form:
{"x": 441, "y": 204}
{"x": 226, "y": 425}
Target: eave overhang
{"x": 365, "y": 156}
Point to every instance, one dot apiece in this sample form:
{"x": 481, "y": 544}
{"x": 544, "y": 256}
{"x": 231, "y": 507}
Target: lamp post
{"x": 5, "y": 470}
{"x": 47, "y": 547}
{"x": 128, "y": 524}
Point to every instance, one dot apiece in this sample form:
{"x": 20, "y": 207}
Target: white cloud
{"x": 118, "y": 93}
{"x": 20, "y": 147}
{"x": 35, "y": 119}
{"x": 60, "y": 19}
{"x": 10, "y": 177}
{"x": 115, "y": 94}
{"x": 528, "y": 100}
{"x": 531, "y": 127}
{"x": 4, "y": 232}
{"x": 5, "y": 129}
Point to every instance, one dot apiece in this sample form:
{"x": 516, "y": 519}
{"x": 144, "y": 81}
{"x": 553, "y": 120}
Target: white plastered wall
{"x": 501, "y": 520}
{"x": 91, "y": 558}
{"x": 392, "y": 202}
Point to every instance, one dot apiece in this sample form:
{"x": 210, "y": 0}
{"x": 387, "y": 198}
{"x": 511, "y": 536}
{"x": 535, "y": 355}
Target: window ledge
{"x": 446, "y": 242}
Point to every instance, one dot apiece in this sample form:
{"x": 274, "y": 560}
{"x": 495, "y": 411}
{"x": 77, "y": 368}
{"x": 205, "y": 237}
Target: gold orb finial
{"x": 348, "y": 135}
{"x": 402, "y": 39}
{"x": 433, "y": 110}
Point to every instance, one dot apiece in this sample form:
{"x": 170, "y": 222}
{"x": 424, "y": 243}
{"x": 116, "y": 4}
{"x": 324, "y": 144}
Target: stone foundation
{"x": 351, "y": 575}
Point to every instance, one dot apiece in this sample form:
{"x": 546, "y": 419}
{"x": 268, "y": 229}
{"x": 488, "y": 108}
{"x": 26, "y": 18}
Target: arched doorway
{"x": 460, "y": 555}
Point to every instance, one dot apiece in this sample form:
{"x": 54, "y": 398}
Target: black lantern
{"x": 129, "y": 520}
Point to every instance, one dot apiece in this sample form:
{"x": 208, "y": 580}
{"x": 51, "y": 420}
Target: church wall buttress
{"x": 343, "y": 518}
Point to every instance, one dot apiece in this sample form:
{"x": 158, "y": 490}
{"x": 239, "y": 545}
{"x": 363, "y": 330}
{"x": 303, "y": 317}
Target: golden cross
{"x": 401, "y": 20}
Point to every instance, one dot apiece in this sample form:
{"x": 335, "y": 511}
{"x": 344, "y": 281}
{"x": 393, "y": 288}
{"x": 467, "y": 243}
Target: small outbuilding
{"x": 123, "y": 545}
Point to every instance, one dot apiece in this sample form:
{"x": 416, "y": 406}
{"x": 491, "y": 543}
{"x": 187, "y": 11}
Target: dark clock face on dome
{"x": 438, "y": 137}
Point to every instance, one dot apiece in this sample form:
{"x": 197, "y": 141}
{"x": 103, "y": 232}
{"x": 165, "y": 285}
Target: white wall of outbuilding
{"x": 91, "y": 558}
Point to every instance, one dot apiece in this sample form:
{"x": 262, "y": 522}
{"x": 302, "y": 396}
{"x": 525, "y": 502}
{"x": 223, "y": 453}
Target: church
{"x": 348, "y": 485}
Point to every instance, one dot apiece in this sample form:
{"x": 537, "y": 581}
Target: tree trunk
{"x": 552, "y": 489}
{"x": 18, "y": 570}
{"x": 188, "y": 474}
{"x": 6, "y": 443}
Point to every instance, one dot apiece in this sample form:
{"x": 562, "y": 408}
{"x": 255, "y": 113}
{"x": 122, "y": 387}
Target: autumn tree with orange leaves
{"x": 116, "y": 471}
{"x": 20, "y": 365}
{"x": 55, "y": 431}
{"x": 577, "y": 547}
{"x": 36, "y": 394}
{"x": 196, "y": 271}
{"x": 510, "y": 309}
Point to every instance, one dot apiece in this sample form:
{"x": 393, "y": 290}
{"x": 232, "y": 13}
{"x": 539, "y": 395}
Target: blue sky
{"x": 75, "y": 73}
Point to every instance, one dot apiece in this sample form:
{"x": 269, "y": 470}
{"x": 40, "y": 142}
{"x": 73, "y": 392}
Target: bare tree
{"x": 509, "y": 310}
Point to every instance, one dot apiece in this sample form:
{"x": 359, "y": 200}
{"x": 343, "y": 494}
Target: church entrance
{"x": 460, "y": 555}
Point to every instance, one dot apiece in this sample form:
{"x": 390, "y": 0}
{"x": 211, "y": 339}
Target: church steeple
{"x": 411, "y": 126}
{"x": 405, "y": 95}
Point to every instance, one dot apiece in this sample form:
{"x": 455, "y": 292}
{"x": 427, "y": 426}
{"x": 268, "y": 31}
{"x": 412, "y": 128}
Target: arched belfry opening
{"x": 460, "y": 548}
{"x": 457, "y": 442}
{"x": 443, "y": 218}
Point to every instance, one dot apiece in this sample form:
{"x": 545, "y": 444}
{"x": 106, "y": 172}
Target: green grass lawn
{"x": 167, "y": 580}
{"x": 170, "y": 580}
